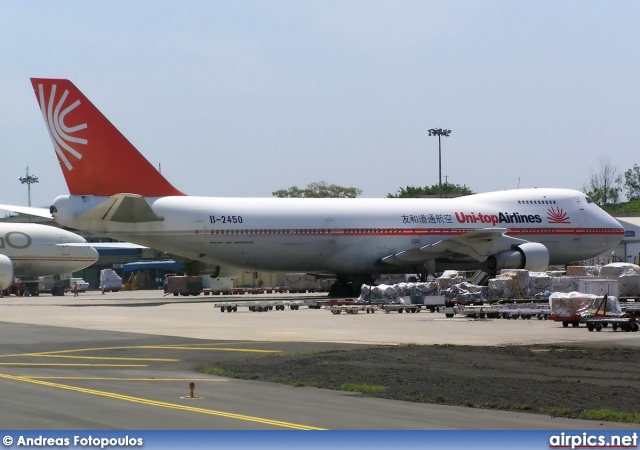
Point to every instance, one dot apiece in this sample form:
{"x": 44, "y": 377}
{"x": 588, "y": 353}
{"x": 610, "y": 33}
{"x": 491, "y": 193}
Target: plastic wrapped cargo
{"x": 616, "y": 270}
{"x": 509, "y": 284}
{"x": 539, "y": 282}
{"x": 392, "y": 292}
{"x": 629, "y": 285}
{"x": 564, "y": 284}
{"x": 583, "y": 271}
{"x": 110, "y": 280}
{"x": 577, "y": 305}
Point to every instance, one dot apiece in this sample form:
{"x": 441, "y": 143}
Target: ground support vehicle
{"x": 352, "y": 308}
{"x": 601, "y": 312}
{"x": 573, "y": 320}
{"x": 400, "y": 308}
{"x": 260, "y": 306}
{"x": 631, "y": 307}
{"x": 315, "y": 303}
{"x": 625, "y": 323}
{"x": 505, "y": 311}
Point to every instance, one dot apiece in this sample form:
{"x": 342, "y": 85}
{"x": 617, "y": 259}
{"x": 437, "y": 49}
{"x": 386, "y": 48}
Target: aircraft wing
{"x": 29, "y": 210}
{"x": 127, "y": 208}
{"x": 107, "y": 245}
{"x": 477, "y": 244}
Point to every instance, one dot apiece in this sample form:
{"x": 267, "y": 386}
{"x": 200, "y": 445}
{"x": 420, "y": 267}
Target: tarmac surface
{"x": 125, "y": 360}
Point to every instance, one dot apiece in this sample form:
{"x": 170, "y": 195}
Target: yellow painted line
{"x": 144, "y": 401}
{"x": 220, "y": 349}
{"x": 199, "y": 380}
{"x": 145, "y": 347}
{"x": 70, "y": 364}
{"x": 110, "y": 358}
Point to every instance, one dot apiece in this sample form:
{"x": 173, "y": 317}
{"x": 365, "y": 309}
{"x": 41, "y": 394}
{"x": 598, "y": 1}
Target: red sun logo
{"x": 557, "y": 215}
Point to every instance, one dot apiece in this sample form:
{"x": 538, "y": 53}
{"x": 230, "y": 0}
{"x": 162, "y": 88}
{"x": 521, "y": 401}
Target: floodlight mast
{"x": 439, "y": 132}
{"x": 28, "y": 180}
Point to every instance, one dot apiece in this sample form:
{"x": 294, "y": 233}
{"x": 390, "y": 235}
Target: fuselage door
{"x": 329, "y": 230}
{"x": 66, "y": 251}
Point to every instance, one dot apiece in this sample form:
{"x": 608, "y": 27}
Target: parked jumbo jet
{"x": 30, "y": 250}
{"x": 115, "y": 191}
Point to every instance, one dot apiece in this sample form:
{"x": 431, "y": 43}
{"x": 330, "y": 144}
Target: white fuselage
{"x": 351, "y": 236}
{"x": 40, "y": 250}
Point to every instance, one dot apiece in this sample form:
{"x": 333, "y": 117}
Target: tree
{"x": 605, "y": 186}
{"x": 448, "y": 189}
{"x": 319, "y": 190}
{"x": 632, "y": 183}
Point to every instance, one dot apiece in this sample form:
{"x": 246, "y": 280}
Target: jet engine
{"x": 530, "y": 255}
{"x": 6, "y": 272}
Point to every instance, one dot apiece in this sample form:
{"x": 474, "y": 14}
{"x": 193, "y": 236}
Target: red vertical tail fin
{"x": 95, "y": 158}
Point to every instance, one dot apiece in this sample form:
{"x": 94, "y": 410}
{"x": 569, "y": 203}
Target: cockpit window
{"x": 589, "y": 200}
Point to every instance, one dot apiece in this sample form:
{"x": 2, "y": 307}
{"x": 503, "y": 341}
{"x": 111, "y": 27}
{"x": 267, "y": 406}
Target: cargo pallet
{"x": 599, "y": 320}
{"x": 598, "y": 323}
{"x": 353, "y": 308}
{"x": 510, "y": 311}
{"x": 260, "y": 306}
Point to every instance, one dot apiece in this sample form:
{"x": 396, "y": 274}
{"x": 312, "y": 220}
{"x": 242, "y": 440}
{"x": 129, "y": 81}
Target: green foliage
{"x": 610, "y": 416}
{"x": 605, "y": 185}
{"x": 362, "y": 388}
{"x": 593, "y": 414}
{"x": 211, "y": 370}
{"x": 632, "y": 206}
{"x": 632, "y": 182}
{"x": 448, "y": 189}
{"x": 318, "y": 190}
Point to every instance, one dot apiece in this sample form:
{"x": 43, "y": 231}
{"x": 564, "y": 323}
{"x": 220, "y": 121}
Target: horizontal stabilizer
{"x": 126, "y": 208}
{"x": 28, "y": 210}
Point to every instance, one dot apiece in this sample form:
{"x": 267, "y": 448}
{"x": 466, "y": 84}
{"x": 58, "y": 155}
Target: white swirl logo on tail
{"x": 61, "y": 134}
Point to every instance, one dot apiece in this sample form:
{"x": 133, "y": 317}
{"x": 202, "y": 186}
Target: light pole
{"x": 29, "y": 179}
{"x": 439, "y": 132}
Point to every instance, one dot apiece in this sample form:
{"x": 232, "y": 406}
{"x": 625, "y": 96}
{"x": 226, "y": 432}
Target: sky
{"x": 241, "y": 98}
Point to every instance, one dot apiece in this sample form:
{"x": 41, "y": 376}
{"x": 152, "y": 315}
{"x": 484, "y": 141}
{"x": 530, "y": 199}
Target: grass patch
{"x": 307, "y": 353}
{"x": 362, "y": 388}
{"x": 298, "y": 384}
{"x": 611, "y": 416}
{"x": 210, "y": 370}
{"x": 594, "y": 414}
{"x": 563, "y": 412}
{"x": 521, "y": 407}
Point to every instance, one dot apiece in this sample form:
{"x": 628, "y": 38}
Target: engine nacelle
{"x": 530, "y": 255}
{"x": 6, "y": 272}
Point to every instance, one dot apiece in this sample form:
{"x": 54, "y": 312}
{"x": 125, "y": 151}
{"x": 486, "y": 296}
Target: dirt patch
{"x": 533, "y": 378}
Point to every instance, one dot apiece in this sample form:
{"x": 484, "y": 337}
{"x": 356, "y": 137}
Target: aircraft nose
{"x": 92, "y": 253}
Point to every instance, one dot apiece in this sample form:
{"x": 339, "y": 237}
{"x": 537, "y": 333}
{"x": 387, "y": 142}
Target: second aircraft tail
{"x": 95, "y": 158}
